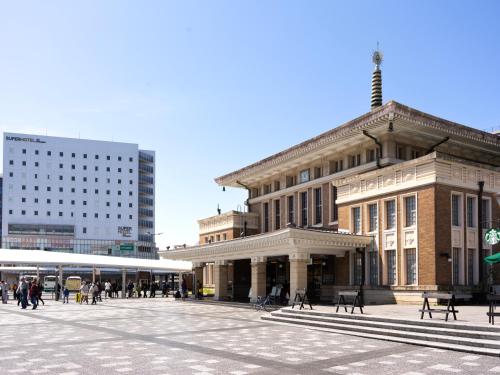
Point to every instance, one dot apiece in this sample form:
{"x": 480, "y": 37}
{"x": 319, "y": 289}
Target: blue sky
{"x": 215, "y": 85}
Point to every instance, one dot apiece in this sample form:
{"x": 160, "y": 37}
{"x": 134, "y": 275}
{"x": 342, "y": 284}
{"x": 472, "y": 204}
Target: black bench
{"x": 492, "y": 299}
{"x": 450, "y": 307}
{"x": 356, "y": 300}
{"x": 301, "y": 299}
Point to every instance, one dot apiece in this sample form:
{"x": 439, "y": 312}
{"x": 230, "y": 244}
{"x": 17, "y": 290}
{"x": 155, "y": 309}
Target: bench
{"x": 492, "y": 299}
{"x": 450, "y": 307}
{"x": 356, "y": 300}
{"x": 301, "y": 299}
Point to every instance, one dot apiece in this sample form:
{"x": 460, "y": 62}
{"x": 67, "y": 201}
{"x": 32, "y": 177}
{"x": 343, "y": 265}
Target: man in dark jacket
{"x": 34, "y": 295}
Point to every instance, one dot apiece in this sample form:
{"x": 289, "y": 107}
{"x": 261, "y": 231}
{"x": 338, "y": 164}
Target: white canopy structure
{"x": 44, "y": 258}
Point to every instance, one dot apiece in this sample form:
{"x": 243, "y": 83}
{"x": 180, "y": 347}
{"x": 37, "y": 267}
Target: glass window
{"x": 335, "y": 211}
{"x": 456, "y": 265}
{"x": 318, "y": 206}
{"x": 291, "y": 210}
{"x": 390, "y": 213}
{"x": 277, "y": 214}
{"x": 356, "y": 220}
{"x": 358, "y": 268}
{"x": 411, "y": 266}
{"x": 304, "y": 176}
{"x": 373, "y": 217}
{"x": 373, "y": 268}
{"x": 410, "y": 211}
{"x": 391, "y": 266}
{"x": 485, "y": 217}
{"x": 266, "y": 217}
{"x": 303, "y": 209}
{"x": 471, "y": 208}
{"x": 471, "y": 254}
{"x": 455, "y": 210}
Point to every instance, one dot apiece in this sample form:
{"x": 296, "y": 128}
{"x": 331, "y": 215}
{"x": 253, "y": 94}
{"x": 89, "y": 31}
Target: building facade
{"x": 394, "y": 202}
{"x": 77, "y": 195}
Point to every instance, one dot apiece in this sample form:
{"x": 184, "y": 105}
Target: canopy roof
{"x": 492, "y": 259}
{"x": 40, "y": 257}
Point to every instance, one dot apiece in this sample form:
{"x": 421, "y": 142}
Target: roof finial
{"x": 376, "y": 100}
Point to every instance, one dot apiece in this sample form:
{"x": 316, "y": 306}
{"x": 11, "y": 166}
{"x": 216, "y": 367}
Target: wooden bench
{"x": 492, "y": 299}
{"x": 356, "y": 300}
{"x": 301, "y": 299}
{"x": 450, "y": 308}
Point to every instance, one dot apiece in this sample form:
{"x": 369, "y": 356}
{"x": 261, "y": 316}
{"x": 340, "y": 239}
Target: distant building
{"x": 76, "y": 195}
{"x": 393, "y": 202}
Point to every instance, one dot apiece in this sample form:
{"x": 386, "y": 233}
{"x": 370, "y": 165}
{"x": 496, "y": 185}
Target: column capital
{"x": 221, "y": 262}
{"x": 301, "y": 256}
{"x": 198, "y": 264}
{"x": 255, "y": 260}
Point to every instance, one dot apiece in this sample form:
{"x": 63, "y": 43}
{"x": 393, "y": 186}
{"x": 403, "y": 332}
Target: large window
{"x": 291, "y": 210}
{"x": 277, "y": 215}
{"x": 303, "y": 208}
{"x": 373, "y": 216}
{"x": 266, "y": 217}
{"x": 411, "y": 266}
{"x": 373, "y": 267}
{"x": 318, "y": 206}
{"x": 391, "y": 266}
{"x": 456, "y": 201}
{"x": 471, "y": 209}
{"x": 485, "y": 217}
{"x": 410, "y": 211}
{"x": 358, "y": 268}
{"x": 456, "y": 265}
{"x": 335, "y": 211}
{"x": 390, "y": 213}
{"x": 471, "y": 254}
{"x": 356, "y": 220}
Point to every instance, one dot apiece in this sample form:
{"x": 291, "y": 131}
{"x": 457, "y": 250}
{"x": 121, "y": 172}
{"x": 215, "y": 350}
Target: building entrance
{"x": 320, "y": 277}
{"x": 241, "y": 280}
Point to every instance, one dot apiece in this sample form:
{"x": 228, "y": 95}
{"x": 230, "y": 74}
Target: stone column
{"x": 258, "y": 265}
{"x": 220, "y": 280}
{"x": 298, "y": 272}
{"x": 198, "y": 276}
{"x": 124, "y": 283}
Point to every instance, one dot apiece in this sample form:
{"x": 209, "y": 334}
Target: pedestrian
{"x": 58, "y": 290}
{"x": 107, "y": 290}
{"x": 184, "y": 288}
{"x": 84, "y": 290}
{"x": 99, "y": 291}
{"x": 130, "y": 288}
{"x": 145, "y": 288}
{"x": 138, "y": 290}
{"x": 22, "y": 290}
{"x": 199, "y": 289}
{"x": 94, "y": 291}
{"x": 152, "y": 290}
{"x": 39, "y": 296}
{"x": 14, "y": 291}
{"x": 66, "y": 295}
{"x": 164, "y": 290}
{"x": 34, "y": 294}
{"x": 5, "y": 291}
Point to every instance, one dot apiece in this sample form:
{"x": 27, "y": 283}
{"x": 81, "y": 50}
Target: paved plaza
{"x": 159, "y": 336}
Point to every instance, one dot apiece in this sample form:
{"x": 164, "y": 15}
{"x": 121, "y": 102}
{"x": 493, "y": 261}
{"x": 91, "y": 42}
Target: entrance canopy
{"x": 45, "y": 258}
{"x": 289, "y": 241}
{"x": 492, "y": 259}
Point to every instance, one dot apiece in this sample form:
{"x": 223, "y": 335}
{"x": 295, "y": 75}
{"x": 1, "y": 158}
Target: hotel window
{"x": 456, "y": 201}
{"x": 485, "y": 217}
{"x": 60, "y": 213}
{"x": 73, "y": 155}
{"x": 130, "y": 159}
{"x": 224, "y": 236}
{"x": 391, "y": 266}
{"x": 60, "y": 166}
{"x": 357, "y": 268}
{"x": 304, "y": 176}
{"x": 303, "y": 209}
{"x": 373, "y": 216}
{"x": 48, "y": 213}
{"x": 336, "y": 166}
{"x": 410, "y": 211}
{"x": 318, "y": 172}
{"x": 48, "y": 200}
{"x": 470, "y": 266}
{"x": 119, "y": 158}
{"x": 354, "y": 160}
{"x": 35, "y": 213}
{"x": 266, "y": 188}
{"x": 471, "y": 209}
{"x": 48, "y": 154}
{"x": 73, "y": 166}
{"x": 206, "y": 237}
{"x": 119, "y": 169}
{"x": 23, "y": 200}
{"x": 61, "y": 154}
{"x": 11, "y": 162}
{"x": 291, "y": 210}
{"x": 318, "y": 206}
{"x": 108, "y": 157}
{"x": 370, "y": 155}
{"x": 96, "y": 168}
{"x": 24, "y": 163}
{"x": 277, "y": 214}
{"x": 84, "y": 230}
{"x": 411, "y": 266}
{"x": 333, "y": 198}
{"x": 85, "y": 156}
{"x": 36, "y": 164}
{"x": 60, "y": 201}
{"x": 266, "y": 217}
{"x": 24, "y": 150}
{"x": 96, "y": 157}
{"x": 456, "y": 265}
{"x": 23, "y": 212}
{"x": 36, "y": 152}
{"x": 356, "y": 220}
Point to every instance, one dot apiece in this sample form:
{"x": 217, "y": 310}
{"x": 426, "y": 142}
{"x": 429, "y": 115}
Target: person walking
{"x": 58, "y": 290}
{"x": 130, "y": 288}
{"x": 99, "y": 291}
{"x": 34, "y": 294}
{"x": 14, "y": 291}
{"x": 22, "y": 290}
{"x": 84, "y": 291}
{"x": 107, "y": 290}
{"x": 145, "y": 288}
{"x": 152, "y": 290}
{"x": 5, "y": 291}
{"x": 184, "y": 288}
{"x": 66, "y": 295}
{"x": 39, "y": 296}
{"x": 94, "y": 291}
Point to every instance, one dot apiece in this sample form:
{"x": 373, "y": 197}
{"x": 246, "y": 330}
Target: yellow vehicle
{"x": 73, "y": 283}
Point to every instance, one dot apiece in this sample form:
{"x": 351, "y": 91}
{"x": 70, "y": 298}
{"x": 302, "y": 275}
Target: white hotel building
{"x": 77, "y": 195}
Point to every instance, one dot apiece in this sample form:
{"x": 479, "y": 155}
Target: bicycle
{"x": 262, "y": 303}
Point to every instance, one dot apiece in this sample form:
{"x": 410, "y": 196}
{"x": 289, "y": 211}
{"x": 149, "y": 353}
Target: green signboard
{"x": 492, "y": 236}
{"x": 127, "y": 247}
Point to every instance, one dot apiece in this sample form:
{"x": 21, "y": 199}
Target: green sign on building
{"x": 492, "y": 236}
{"x": 127, "y": 247}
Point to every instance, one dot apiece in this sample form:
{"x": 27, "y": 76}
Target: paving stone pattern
{"x": 145, "y": 336}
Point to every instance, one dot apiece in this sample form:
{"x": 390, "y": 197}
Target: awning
{"x": 492, "y": 259}
{"x": 40, "y": 257}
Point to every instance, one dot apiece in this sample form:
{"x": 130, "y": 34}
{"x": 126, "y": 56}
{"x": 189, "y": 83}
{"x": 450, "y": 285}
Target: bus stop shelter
{"x": 37, "y": 258}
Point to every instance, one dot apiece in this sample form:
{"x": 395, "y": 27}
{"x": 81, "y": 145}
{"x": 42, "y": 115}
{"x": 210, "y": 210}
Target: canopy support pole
{"x": 38, "y": 273}
{"x": 124, "y": 280}
{"x": 60, "y": 281}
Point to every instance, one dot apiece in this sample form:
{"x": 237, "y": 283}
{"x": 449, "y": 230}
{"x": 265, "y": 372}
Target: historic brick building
{"x": 395, "y": 201}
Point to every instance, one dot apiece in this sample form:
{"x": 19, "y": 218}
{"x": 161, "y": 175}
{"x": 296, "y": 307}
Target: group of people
{"x": 143, "y": 288}
{"x": 27, "y": 291}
